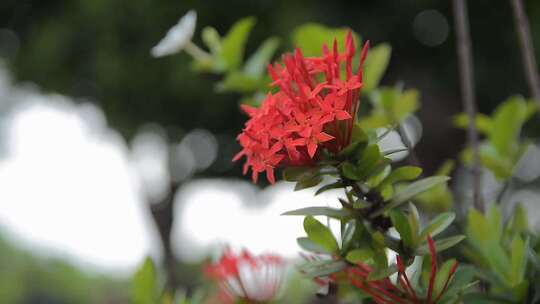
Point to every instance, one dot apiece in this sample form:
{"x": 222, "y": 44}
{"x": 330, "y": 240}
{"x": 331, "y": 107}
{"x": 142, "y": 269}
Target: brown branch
{"x": 464, "y": 53}
{"x": 527, "y": 49}
{"x": 162, "y": 214}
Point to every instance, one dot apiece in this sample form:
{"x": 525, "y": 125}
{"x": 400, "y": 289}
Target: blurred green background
{"x": 98, "y": 50}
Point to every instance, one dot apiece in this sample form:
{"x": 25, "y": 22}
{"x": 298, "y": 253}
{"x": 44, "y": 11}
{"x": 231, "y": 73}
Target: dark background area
{"x": 99, "y": 50}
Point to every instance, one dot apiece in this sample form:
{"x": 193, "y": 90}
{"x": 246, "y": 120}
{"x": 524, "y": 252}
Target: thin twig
{"x": 465, "y": 59}
{"x": 527, "y": 49}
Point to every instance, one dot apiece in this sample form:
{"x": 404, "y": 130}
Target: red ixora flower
{"x": 386, "y": 292}
{"x": 252, "y": 278}
{"x": 314, "y": 107}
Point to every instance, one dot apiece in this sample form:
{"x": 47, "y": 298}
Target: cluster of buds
{"x": 386, "y": 292}
{"x": 314, "y": 107}
{"x": 248, "y": 277}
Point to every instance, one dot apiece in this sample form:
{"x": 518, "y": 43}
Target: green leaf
{"x": 411, "y": 191}
{"x": 404, "y": 173}
{"x": 438, "y": 224}
{"x": 406, "y": 105}
{"x": 519, "y": 222}
{"x": 359, "y": 255}
{"x": 414, "y": 221}
{"x": 320, "y": 234}
{"x": 144, "y": 287}
{"x": 518, "y": 260}
{"x": 256, "y": 64}
{"x": 350, "y": 171}
{"x": 239, "y": 82}
{"x": 310, "y": 37}
{"x": 483, "y": 122}
{"x": 326, "y": 211}
{"x": 212, "y": 40}
{"x": 401, "y": 223}
{"x": 234, "y": 42}
{"x": 308, "y": 182}
{"x": 508, "y": 119}
{"x": 336, "y": 185}
{"x": 322, "y": 268}
{"x": 383, "y": 273}
{"x": 440, "y": 245}
{"x": 442, "y": 276}
{"x": 294, "y": 174}
{"x": 375, "y": 66}
{"x": 308, "y": 245}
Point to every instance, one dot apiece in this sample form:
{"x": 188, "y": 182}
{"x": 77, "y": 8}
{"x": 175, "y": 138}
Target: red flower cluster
{"x": 253, "y": 278}
{"x": 385, "y": 292}
{"x": 315, "y": 106}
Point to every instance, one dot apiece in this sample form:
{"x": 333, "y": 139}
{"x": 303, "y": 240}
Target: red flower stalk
{"x": 402, "y": 292}
{"x": 314, "y": 107}
{"x": 252, "y": 278}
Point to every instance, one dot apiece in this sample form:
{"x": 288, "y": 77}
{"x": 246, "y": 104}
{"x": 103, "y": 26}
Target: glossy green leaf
{"x": 308, "y": 182}
{"x": 404, "y": 173}
{"x": 320, "y": 234}
{"x": 233, "y": 44}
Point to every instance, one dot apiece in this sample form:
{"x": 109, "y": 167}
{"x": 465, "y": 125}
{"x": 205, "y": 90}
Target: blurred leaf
{"x": 212, "y": 40}
{"x": 294, "y": 174}
{"x": 483, "y": 122}
{"x": 442, "y": 276}
{"x": 438, "y": 224}
{"x": 326, "y": 211}
{"x": 310, "y": 37}
{"x": 359, "y": 255}
{"x": 519, "y": 222}
{"x": 508, "y": 119}
{"x": 256, "y": 64}
{"x": 411, "y": 191}
{"x": 383, "y": 273}
{"x": 308, "y": 245}
{"x": 234, "y": 42}
{"x": 336, "y": 185}
{"x": 441, "y": 244}
{"x": 320, "y": 234}
{"x": 322, "y": 268}
{"x": 518, "y": 260}
{"x": 375, "y": 66}
{"x": 402, "y": 225}
{"x": 239, "y": 82}
{"x": 144, "y": 286}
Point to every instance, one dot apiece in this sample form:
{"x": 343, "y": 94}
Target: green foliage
{"x": 309, "y": 37}
{"x": 502, "y": 147}
{"x": 145, "y": 288}
{"x": 320, "y": 234}
{"x": 390, "y": 106}
{"x": 375, "y": 66}
{"x": 502, "y": 251}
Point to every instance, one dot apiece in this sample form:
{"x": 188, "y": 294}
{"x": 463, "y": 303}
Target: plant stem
{"x": 527, "y": 49}
{"x": 465, "y": 59}
{"x": 195, "y": 51}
